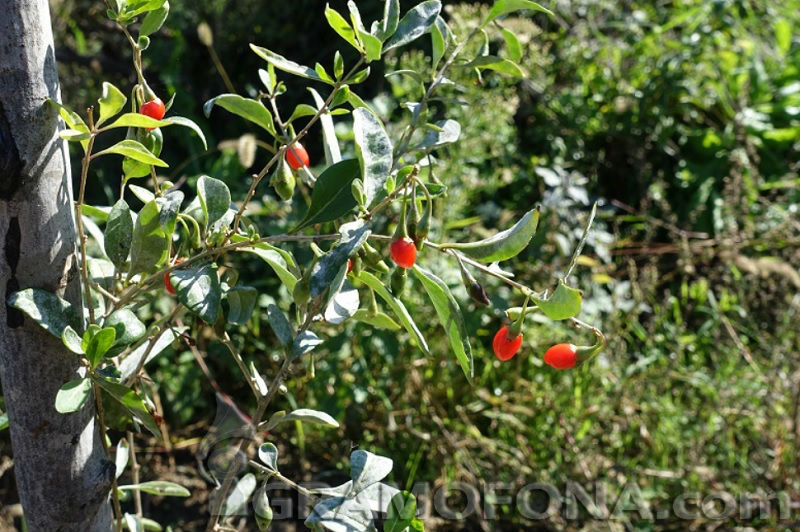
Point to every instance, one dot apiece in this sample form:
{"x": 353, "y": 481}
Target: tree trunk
{"x": 63, "y": 477}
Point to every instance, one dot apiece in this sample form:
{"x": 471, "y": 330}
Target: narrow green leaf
{"x": 268, "y": 454}
{"x": 162, "y": 341}
{"x": 331, "y": 197}
{"x": 273, "y": 257}
{"x": 450, "y": 317}
{"x": 158, "y": 487}
{"x": 332, "y": 152}
{"x": 374, "y": 149}
{"x": 397, "y": 307}
{"x": 446, "y": 132}
{"x": 130, "y": 401}
{"x": 310, "y": 416}
{"x": 391, "y": 18}
{"x": 73, "y": 395}
{"x": 513, "y": 47}
{"x": 503, "y": 245}
{"x": 185, "y": 122}
{"x": 414, "y": 24}
{"x": 304, "y": 343}
{"x": 563, "y": 304}
{"x": 503, "y": 7}
{"x": 251, "y": 110}
{"x": 438, "y": 44}
{"x": 135, "y": 150}
{"x": 198, "y": 288}
{"x": 119, "y": 234}
{"x": 73, "y": 135}
{"x": 136, "y": 120}
{"x": 342, "y": 27}
{"x": 284, "y": 64}
{"x": 498, "y": 64}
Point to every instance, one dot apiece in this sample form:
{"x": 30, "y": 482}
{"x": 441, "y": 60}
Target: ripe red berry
{"x": 504, "y": 346}
{"x": 561, "y": 356}
{"x": 297, "y": 156}
{"x": 167, "y": 283}
{"x": 403, "y": 252}
{"x": 154, "y": 109}
{"x": 349, "y": 265}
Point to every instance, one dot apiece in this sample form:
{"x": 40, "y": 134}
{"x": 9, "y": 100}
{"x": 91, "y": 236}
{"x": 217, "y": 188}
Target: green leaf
{"x": 332, "y": 152}
{"x": 73, "y": 395}
{"x": 341, "y": 26}
{"x": 99, "y": 344}
{"x": 373, "y": 47}
{"x": 251, "y": 110}
{"x": 51, "y": 312}
{"x": 284, "y": 64}
{"x": 446, "y": 132}
{"x": 137, "y": 7}
{"x": 367, "y": 468}
{"x": 302, "y": 110}
{"x": 401, "y": 512}
{"x": 280, "y": 325}
{"x": 331, "y": 197}
{"x": 503, "y": 7}
{"x": 438, "y": 43}
{"x": 72, "y": 340}
{"x": 268, "y": 454}
{"x": 563, "y": 304}
{"x": 378, "y": 319}
{"x": 119, "y": 234}
{"x": 136, "y": 120}
{"x": 343, "y": 305}
{"x": 185, "y": 122}
{"x": 414, "y": 24}
{"x": 450, "y": 316}
{"x": 304, "y": 343}
{"x": 150, "y": 243}
{"x": 111, "y": 102}
{"x": 154, "y": 20}
{"x": 73, "y": 135}
{"x": 391, "y": 18}
{"x": 158, "y": 487}
{"x": 135, "y": 150}
{"x": 397, "y": 307}
{"x": 498, "y": 64}
{"x": 325, "y": 271}
{"x": 374, "y": 149}
{"x": 241, "y": 302}
{"x": 162, "y": 341}
{"x": 783, "y": 35}
{"x": 513, "y": 47}
{"x": 309, "y": 416}
{"x": 503, "y": 245}
{"x": 129, "y": 328}
{"x": 168, "y": 208}
{"x": 273, "y": 257}
{"x": 215, "y": 198}
{"x": 198, "y": 288}
{"x": 4, "y": 421}
{"x": 130, "y": 401}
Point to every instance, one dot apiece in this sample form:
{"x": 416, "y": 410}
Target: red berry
{"x": 154, "y": 109}
{"x": 297, "y": 156}
{"x": 403, "y": 252}
{"x": 349, "y": 265}
{"x": 561, "y": 356}
{"x": 504, "y": 346}
{"x": 167, "y": 283}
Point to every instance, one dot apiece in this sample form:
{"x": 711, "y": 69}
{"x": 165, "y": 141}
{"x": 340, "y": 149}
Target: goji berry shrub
{"x": 178, "y": 245}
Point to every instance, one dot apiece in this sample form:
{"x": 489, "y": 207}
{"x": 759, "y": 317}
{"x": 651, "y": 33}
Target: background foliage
{"x": 682, "y": 117}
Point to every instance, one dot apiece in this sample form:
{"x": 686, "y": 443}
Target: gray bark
{"x": 63, "y": 477}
